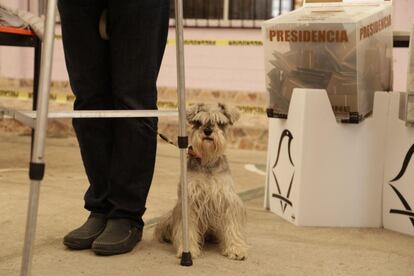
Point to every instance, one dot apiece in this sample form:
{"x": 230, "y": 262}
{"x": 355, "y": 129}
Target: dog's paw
{"x": 235, "y": 253}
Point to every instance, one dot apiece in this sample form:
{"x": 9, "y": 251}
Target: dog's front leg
{"x": 194, "y": 236}
{"x": 233, "y": 244}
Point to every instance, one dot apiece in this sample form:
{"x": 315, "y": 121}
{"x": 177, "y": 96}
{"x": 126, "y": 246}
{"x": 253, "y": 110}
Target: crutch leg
{"x": 37, "y": 56}
{"x": 36, "y": 170}
{"x": 186, "y": 259}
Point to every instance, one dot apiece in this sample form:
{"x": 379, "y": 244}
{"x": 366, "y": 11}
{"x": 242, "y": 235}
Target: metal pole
{"x": 37, "y": 57}
{"x": 280, "y": 7}
{"x": 36, "y": 170}
{"x": 41, "y": 7}
{"x": 226, "y": 8}
{"x": 186, "y": 259}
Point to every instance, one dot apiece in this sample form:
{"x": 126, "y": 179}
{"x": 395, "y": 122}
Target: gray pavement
{"x": 277, "y": 247}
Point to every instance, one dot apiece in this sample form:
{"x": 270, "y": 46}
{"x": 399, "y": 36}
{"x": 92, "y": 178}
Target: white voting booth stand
{"x": 324, "y": 173}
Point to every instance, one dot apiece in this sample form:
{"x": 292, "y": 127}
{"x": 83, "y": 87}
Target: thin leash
{"x": 190, "y": 150}
{"x": 162, "y": 136}
{"x": 166, "y": 139}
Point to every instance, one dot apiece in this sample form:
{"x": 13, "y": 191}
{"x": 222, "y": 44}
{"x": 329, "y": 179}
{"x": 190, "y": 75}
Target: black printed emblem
{"x": 284, "y": 199}
{"x": 407, "y": 208}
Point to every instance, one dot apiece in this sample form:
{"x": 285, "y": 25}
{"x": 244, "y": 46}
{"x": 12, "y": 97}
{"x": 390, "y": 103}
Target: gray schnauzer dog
{"x": 216, "y": 212}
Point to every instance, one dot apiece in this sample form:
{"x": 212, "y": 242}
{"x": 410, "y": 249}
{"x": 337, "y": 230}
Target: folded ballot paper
{"x": 344, "y": 47}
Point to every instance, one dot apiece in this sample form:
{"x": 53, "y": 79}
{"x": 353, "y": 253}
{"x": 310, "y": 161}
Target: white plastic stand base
{"x": 324, "y": 173}
{"x": 398, "y": 193}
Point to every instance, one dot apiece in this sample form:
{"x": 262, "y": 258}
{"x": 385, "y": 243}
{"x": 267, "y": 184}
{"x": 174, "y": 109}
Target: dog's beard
{"x": 208, "y": 148}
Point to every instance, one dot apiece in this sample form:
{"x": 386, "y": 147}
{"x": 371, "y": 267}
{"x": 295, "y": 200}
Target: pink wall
{"x": 218, "y": 67}
{"x": 207, "y": 67}
{"x": 403, "y": 20}
{"x": 403, "y": 14}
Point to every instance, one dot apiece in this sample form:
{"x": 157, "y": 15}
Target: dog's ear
{"x": 193, "y": 110}
{"x": 231, "y": 112}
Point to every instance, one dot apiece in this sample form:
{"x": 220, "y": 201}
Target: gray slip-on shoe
{"x": 120, "y": 236}
{"x": 83, "y": 237}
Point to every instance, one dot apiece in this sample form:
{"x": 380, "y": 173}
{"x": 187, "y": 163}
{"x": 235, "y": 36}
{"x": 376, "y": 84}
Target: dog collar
{"x": 192, "y": 153}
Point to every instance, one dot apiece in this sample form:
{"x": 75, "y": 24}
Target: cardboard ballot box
{"x": 344, "y": 48}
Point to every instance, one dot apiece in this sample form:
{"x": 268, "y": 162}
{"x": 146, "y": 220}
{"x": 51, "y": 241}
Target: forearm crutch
{"x": 186, "y": 259}
{"x": 37, "y": 165}
{"x": 38, "y": 120}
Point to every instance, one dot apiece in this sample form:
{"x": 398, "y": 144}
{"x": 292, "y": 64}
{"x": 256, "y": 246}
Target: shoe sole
{"x": 78, "y": 246}
{"x": 109, "y": 252}
{"x": 103, "y": 252}
{"x": 75, "y": 246}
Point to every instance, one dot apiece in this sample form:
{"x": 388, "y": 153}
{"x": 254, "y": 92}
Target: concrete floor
{"x": 277, "y": 247}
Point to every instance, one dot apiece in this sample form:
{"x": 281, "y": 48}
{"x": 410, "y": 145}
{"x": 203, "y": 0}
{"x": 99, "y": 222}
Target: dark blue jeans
{"x": 118, "y": 154}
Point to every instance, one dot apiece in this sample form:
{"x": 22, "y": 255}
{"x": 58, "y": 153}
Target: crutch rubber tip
{"x": 186, "y": 259}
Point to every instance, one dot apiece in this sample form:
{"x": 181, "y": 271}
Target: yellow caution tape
{"x": 11, "y": 94}
{"x": 220, "y": 42}
{"x": 25, "y": 95}
{"x": 211, "y": 42}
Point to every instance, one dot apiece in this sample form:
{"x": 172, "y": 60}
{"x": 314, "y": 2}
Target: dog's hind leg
{"x": 163, "y": 229}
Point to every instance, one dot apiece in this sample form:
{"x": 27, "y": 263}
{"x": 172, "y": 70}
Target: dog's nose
{"x": 208, "y": 131}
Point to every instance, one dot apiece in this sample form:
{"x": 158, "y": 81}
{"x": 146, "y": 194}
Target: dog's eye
{"x": 196, "y": 124}
{"x": 222, "y": 126}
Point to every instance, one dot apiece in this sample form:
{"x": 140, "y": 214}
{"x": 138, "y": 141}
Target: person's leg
{"x": 138, "y": 37}
{"x": 138, "y": 32}
{"x": 88, "y": 64}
